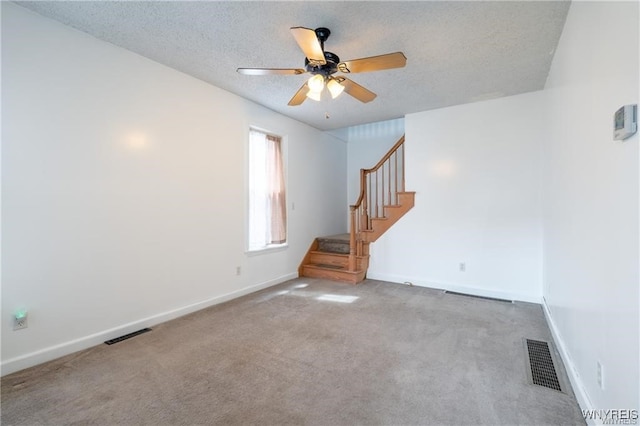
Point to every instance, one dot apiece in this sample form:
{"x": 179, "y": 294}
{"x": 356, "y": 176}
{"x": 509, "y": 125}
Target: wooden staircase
{"x": 382, "y": 202}
{"x": 328, "y": 257}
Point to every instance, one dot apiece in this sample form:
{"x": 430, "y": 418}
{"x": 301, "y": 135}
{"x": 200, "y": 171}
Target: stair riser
{"x": 329, "y": 259}
{"x": 362, "y": 262}
{"x": 327, "y": 274}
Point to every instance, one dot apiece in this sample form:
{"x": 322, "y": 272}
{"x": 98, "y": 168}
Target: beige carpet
{"x": 306, "y": 352}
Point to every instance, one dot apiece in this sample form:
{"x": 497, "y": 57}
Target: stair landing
{"x": 334, "y": 244}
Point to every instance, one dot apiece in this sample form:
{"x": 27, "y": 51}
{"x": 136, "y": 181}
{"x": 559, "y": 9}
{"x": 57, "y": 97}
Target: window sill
{"x": 267, "y": 250}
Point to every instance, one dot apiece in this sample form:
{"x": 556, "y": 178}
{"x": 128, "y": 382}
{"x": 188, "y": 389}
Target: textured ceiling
{"x": 457, "y": 52}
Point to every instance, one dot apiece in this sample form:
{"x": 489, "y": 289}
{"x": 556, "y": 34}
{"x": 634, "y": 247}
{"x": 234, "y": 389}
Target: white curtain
{"x": 267, "y": 202}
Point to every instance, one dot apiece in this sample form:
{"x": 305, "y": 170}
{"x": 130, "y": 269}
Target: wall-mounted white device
{"x": 625, "y": 122}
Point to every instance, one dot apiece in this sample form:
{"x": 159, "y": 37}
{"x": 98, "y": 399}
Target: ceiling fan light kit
{"x": 316, "y": 96}
{"x": 335, "y": 88}
{"x": 316, "y": 83}
{"x": 322, "y": 65}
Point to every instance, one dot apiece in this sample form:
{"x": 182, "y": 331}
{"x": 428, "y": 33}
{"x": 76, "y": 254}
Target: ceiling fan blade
{"x": 355, "y": 90}
{"x": 374, "y": 63}
{"x": 300, "y": 96}
{"x": 310, "y": 45}
{"x": 271, "y": 71}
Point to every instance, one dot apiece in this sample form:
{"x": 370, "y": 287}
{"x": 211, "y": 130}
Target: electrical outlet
{"x": 463, "y": 266}
{"x": 20, "y": 320}
{"x": 600, "y": 375}
{"x": 238, "y": 270}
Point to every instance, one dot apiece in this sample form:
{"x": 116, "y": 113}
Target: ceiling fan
{"x": 323, "y": 65}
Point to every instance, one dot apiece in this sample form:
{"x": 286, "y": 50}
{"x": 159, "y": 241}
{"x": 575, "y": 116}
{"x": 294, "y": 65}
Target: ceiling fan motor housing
{"x": 327, "y": 69}
{"x": 323, "y": 34}
{"x": 331, "y": 58}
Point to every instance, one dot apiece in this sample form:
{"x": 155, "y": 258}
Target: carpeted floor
{"x": 307, "y": 352}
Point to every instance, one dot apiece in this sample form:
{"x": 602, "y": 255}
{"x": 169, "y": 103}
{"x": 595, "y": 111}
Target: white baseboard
{"x": 576, "y": 382}
{"x": 475, "y": 291}
{"x": 47, "y": 354}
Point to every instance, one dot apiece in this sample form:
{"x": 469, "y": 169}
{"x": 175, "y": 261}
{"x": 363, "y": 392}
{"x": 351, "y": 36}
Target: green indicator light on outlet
{"x": 20, "y": 319}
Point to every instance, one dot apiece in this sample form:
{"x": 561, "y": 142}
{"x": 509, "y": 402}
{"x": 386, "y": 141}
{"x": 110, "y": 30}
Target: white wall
{"x": 476, "y": 171}
{"x": 123, "y": 191}
{"x": 591, "y": 254}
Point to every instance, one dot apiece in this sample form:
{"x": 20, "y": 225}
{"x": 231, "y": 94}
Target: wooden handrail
{"x": 370, "y": 205}
{"x": 363, "y": 172}
{"x": 388, "y": 155}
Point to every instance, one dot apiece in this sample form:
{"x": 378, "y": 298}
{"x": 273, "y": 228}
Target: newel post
{"x": 352, "y": 241}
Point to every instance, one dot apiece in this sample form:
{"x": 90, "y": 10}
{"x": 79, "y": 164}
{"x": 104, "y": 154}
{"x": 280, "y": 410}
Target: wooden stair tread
{"x": 341, "y": 255}
{"x": 329, "y": 253}
{"x": 340, "y": 238}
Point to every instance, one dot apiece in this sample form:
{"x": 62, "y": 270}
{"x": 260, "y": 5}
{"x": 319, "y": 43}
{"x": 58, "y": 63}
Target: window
{"x": 267, "y": 202}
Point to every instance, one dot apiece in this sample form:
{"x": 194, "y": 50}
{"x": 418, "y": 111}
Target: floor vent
{"x": 127, "y": 336}
{"x": 478, "y": 297}
{"x": 541, "y": 368}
